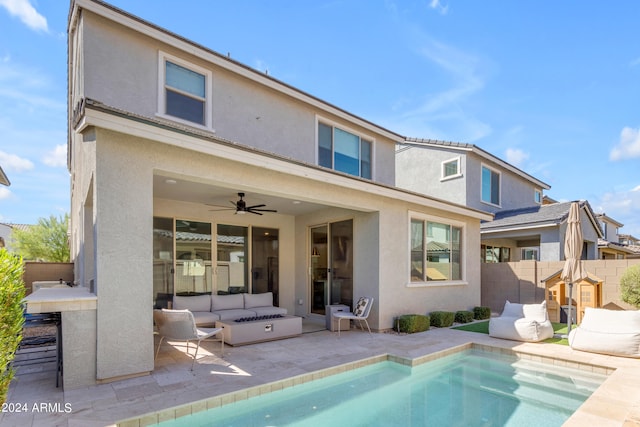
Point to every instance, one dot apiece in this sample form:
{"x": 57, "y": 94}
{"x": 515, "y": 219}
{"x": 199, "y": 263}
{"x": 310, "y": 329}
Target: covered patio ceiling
{"x": 186, "y": 190}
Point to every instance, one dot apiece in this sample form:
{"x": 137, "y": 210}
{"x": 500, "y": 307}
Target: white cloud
{"x": 5, "y": 193}
{"x": 443, "y": 114}
{"x": 623, "y": 206}
{"x": 629, "y": 145}
{"x": 57, "y": 156}
{"x": 26, "y": 13}
{"x": 516, "y": 157}
{"x": 437, "y": 5}
{"x": 11, "y": 162}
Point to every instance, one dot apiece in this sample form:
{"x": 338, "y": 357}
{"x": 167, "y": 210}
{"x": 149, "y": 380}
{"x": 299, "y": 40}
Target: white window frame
{"x": 530, "y": 248}
{"x": 322, "y": 120}
{"x": 163, "y": 57}
{"x": 537, "y": 196}
{"x": 499, "y": 204}
{"x": 463, "y": 253}
{"x": 456, "y": 175}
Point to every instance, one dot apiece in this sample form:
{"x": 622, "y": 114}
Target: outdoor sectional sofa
{"x": 613, "y": 332}
{"x": 208, "y": 309}
{"x": 522, "y": 322}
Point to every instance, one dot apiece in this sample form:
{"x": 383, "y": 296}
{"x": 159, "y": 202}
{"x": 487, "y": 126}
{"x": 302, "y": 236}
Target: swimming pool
{"x": 470, "y": 388}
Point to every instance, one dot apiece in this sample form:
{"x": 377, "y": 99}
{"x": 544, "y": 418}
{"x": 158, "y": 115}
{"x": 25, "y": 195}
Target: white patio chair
{"x": 180, "y": 325}
{"x": 360, "y": 313}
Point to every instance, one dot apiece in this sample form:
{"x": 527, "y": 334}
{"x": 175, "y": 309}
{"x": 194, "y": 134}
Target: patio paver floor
{"x": 172, "y": 384}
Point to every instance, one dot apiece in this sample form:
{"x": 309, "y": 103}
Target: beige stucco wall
{"x": 121, "y": 70}
{"x": 113, "y": 202}
{"x": 522, "y": 281}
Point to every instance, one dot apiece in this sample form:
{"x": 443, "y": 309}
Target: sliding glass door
{"x": 331, "y": 263}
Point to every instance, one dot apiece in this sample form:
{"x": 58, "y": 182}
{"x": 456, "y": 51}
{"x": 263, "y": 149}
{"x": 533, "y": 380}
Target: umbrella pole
{"x": 569, "y": 311}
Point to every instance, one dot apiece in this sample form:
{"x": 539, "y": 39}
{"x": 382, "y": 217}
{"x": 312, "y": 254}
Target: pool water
{"x": 470, "y": 388}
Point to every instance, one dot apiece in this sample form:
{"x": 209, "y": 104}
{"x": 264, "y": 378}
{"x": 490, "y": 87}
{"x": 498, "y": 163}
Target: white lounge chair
{"x": 180, "y": 325}
{"x": 522, "y": 322}
{"x": 613, "y": 332}
{"x": 360, "y": 313}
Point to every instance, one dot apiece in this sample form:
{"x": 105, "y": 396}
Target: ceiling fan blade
{"x": 256, "y": 206}
{"x": 263, "y": 210}
{"x": 253, "y": 212}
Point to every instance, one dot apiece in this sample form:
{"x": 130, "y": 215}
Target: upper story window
{"x": 490, "y": 186}
{"x": 185, "y": 91}
{"x": 344, "y": 151}
{"x": 537, "y": 196}
{"x": 451, "y": 168}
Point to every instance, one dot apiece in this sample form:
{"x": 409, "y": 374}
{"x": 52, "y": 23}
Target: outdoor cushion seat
{"x": 200, "y": 306}
{"x": 522, "y": 322}
{"x": 262, "y": 304}
{"x": 612, "y": 332}
{"x": 208, "y": 309}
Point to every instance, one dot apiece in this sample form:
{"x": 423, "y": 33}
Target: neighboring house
{"x": 612, "y": 246}
{"x": 3, "y": 178}
{"x": 465, "y": 174}
{"x": 6, "y": 230}
{"x": 164, "y": 134}
{"x": 537, "y": 233}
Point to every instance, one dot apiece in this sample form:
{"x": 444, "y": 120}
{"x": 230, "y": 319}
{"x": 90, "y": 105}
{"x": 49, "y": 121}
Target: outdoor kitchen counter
{"x": 51, "y": 300}
{"x": 77, "y": 308}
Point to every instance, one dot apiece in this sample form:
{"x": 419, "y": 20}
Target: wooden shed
{"x": 586, "y": 293}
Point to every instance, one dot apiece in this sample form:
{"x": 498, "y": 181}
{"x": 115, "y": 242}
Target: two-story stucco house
{"x": 465, "y": 174}
{"x": 527, "y": 224}
{"x": 164, "y": 135}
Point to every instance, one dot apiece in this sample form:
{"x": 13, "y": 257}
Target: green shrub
{"x": 11, "y": 316}
{"x": 411, "y": 323}
{"x": 464, "y": 316}
{"x": 441, "y": 319}
{"x": 481, "y": 313}
{"x": 630, "y": 286}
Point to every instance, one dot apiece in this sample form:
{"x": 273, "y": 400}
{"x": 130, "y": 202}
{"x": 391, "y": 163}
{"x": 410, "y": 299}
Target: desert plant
{"x": 411, "y": 323}
{"x": 630, "y": 286}
{"x": 11, "y": 316}
{"x": 463, "y": 316}
{"x": 481, "y": 313}
{"x": 442, "y": 319}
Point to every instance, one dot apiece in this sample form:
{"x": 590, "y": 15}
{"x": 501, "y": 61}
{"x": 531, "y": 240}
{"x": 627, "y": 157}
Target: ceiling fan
{"x": 241, "y": 207}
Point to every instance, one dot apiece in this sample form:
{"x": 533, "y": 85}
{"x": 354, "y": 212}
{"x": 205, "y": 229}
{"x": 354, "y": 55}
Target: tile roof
{"x": 541, "y": 215}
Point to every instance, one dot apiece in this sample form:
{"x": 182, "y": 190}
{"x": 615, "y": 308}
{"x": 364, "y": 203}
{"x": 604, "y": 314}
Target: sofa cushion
{"x": 192, "y": 303}
{"x": 258, "y": 300}
{"x": 235, "y": 313}
{"x": 227, "y": 302}
{"x": 205, "y": 318}
{"x": 269, "y": 311}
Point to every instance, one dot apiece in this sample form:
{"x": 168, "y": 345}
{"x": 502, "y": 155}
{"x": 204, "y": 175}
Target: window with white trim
{"x": 184, "y": 92}
{"x": 451, "y": 168}
{"x": 537, "y": 196}
{"x": 532, "y": 253}
{"x": 490, "y": 186}
{"x": 435, "y": 251}
{"x": 344, "y": 151}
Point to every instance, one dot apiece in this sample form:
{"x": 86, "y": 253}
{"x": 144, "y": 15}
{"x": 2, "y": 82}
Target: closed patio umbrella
{"x": 573, "y": 270}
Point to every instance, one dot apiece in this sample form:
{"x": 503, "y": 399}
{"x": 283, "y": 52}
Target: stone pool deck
{"x": 173, "y": 390}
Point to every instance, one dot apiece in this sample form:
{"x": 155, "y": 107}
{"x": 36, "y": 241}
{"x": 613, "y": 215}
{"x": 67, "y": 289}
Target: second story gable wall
{"x": 122, "y": 67}
{"x": 419, "y": 169}
{"x": 514, "y": 191}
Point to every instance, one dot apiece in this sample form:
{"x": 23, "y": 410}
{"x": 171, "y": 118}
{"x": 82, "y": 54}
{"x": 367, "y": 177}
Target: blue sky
{"x": 551, "y": 87}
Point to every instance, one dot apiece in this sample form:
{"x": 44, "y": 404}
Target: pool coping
{"x": 178, "y": 411}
